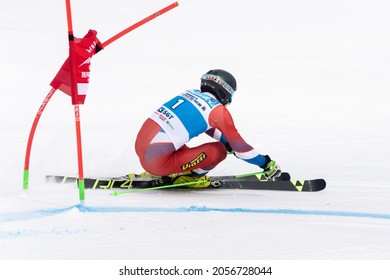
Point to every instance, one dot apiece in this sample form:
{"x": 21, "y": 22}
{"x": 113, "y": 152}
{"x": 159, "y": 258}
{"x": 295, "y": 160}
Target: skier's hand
{"x": 271, "y": 168}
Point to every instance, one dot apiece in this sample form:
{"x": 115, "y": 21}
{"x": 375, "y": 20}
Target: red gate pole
{"x": 75, "y": 102}
{"x": 26, "y": 170}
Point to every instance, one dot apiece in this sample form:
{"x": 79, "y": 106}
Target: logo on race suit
{"x": 164, "y": 112}
{"x": 201, "y": 157}
{"x": 211, "y": 101}
{"x": 196, "y": 96}
{"x": 192, "y": 98}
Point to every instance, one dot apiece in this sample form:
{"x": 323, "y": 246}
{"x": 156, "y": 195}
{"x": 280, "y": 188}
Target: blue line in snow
{"x": 234, "y": 210}
{"x": 92, "y": 209}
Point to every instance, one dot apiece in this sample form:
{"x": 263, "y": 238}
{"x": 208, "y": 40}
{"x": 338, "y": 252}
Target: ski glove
{"x": 271, "y": 168}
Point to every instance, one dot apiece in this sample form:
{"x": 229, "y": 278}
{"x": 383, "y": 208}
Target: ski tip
{"x": 319, "y": 185}
{"x": 324, "y": 183}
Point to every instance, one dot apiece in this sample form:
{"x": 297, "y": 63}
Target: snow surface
{"x": 313, "y": 92}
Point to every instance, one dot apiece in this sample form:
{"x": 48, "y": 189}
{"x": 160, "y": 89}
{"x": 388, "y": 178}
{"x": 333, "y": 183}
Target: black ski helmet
{"x": 220, "y": 83}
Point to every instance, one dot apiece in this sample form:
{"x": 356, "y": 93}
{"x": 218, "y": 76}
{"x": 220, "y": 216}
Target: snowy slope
{"x": 313, "y": 92}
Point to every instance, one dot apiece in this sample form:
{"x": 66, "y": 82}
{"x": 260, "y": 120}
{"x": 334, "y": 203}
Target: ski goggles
{"x": 218, "y": 80}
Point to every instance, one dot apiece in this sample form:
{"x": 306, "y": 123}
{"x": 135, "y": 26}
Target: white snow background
{"x": 313, "y": 93}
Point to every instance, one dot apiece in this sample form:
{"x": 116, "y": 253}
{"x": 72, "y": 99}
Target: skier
{"x": 161, "y": 142}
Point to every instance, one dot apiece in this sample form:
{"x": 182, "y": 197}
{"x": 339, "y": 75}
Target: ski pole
{"x": 116, "y": 193}
{"x": 250, "y": 174}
